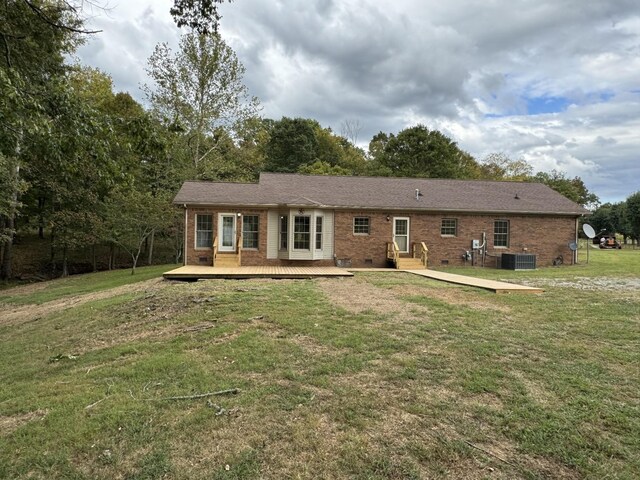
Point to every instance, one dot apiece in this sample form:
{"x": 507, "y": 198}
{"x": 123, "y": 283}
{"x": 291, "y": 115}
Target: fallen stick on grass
{"x": 95, "y": 403}
{"x": 199, "y": 395}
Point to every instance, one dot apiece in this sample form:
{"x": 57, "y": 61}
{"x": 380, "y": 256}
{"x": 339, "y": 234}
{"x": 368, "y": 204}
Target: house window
{"x": 250, "y": 231}
{"x": 204, "y": 231}
{"x": 284, "y": 231}
{"x": 449, "y": 227}
{"x": 501, "y": 233}
{"x": 361, "y": 226}
{"x": 301, "y": 233}
{"x": 318, "y": 233}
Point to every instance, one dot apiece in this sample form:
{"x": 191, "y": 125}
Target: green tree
{"x": 133, "y": 216}
{"x": 323, "y": 168}
{"x": 498, "y": 166}
{"x": 601, "y": 219}
{"x": 293, "y": 143}
{"x": 199, "y": 90}
{"x": 302, "y": 145}
{"x": 420, "y": 152}
{"x": 572, "y": 188}
{"x": 201, "y": 16}
{"x": 633, "y": 215}
{"x": 35, "y": 37}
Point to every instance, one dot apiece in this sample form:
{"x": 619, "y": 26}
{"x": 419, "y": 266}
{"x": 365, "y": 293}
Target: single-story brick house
{"x": 292, "y": 219}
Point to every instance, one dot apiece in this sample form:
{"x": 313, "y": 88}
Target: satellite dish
{"x": 573, "y": 246}
{"x": 588, "y": 230}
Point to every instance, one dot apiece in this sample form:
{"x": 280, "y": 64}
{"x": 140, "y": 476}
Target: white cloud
{"x": 472, "y": 69}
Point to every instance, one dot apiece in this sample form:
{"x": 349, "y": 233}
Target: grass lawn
{"x": 380, "y": 376}
{"x": 37, "y": 293}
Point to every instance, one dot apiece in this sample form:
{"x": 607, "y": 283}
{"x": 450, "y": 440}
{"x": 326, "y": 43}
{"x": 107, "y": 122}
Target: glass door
{"x": 401, "y": 233}
{"x": 227, "y": 232}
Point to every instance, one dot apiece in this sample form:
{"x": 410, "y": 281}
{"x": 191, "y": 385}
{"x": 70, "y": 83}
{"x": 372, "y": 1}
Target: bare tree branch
{"x": 45, "y": 18}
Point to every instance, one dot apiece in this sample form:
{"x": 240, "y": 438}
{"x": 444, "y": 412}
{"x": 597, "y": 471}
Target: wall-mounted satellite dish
{"x": 588, "y": 230}
{"x": 573, "y": 246}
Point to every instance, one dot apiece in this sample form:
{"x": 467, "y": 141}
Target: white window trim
{"x": 315, "y": 233}
{"x": 353, "y": 226}
{"x": 311, "y": 234}
{"x": 449, "y": 235}
{"x": 506, "y": 247}
{"x": 257, "y": 231}
{"x": 195, "y": 231}
{"x": 408, "y": 219}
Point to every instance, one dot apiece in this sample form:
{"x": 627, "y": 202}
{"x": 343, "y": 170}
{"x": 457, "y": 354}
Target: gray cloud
{"x": 476, "y": 71}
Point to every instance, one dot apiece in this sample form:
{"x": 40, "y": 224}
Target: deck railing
{"x": 239, "y": 247}
{"x": 420, "y": 251}
{"x": 215, "y": 251}
{"x": 424, "y": 254}
{"x": 393, "y": 252}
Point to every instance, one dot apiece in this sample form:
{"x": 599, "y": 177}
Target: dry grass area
{"x": 379, "y": 376}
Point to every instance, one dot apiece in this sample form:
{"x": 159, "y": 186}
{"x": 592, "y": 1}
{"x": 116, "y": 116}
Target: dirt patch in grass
{"x": 10, "y": 423}
{"x": 534, "y": 390}
{"x": 601, "y": 284}
{"x": 452, "y": 296}
{"x": 30, "y": 313}
{"x": 357, "y": 295}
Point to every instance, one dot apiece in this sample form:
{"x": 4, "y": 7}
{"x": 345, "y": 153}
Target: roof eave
{"x": 391, "y": 209}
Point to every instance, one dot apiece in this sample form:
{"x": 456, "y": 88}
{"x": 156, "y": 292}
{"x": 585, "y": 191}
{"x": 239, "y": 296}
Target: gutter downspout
{"x": 184, "y": 254}
{"x": 575, "y": 254}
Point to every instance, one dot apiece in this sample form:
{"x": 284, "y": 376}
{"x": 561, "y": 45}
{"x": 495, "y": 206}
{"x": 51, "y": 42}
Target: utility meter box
{"x": 475, "y": 244}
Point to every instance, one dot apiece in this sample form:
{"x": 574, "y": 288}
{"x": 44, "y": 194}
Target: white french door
{"x": 226, "y": 232}
{"x": 401, "y": 233}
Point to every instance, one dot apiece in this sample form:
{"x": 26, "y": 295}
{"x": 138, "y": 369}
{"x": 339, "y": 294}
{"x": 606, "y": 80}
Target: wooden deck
{"x": 194, "y": 272}
{"x": 493, "y": 285}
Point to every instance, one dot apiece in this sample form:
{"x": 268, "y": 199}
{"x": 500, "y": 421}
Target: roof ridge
{"x": 431, "y": 179}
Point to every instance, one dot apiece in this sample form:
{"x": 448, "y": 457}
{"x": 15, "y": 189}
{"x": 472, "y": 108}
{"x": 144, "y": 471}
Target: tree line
{"x": 87, "y": 166}
{"x": 621, "y": 217}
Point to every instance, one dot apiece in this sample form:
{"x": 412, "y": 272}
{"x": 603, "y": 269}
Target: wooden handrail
{"x": 393, "y": 252}
{"x": 215, "y": 251}
{"x": 424, "y": 254}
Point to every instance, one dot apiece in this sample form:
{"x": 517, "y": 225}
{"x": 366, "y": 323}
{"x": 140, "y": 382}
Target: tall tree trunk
{"x": 52, "y": 253}
{"x": 7, "y": 252}
{"x": 151, "y": 240}
{"x": 41, "y": 201}
{"x": 111, "y": 255}
{"x": 65, "y": 266}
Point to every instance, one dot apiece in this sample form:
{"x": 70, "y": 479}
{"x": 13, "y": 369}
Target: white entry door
{"x": 226, "y": 232}
{"x": 401, "y": 233}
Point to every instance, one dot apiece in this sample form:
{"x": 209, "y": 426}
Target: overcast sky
{"x": 556, "y": 82}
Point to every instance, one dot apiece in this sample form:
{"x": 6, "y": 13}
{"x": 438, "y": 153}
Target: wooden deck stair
{"x": 226, "y": 260}
{"x": 409, "y": 264}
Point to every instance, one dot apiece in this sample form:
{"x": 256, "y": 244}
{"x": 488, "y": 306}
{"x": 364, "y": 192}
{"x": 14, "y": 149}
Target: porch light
{"x": 239, "y": 214}
{"x": 388, "y": 218}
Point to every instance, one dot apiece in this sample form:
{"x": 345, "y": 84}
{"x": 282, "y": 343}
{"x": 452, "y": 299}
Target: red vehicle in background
{"x": 607, "y": 241}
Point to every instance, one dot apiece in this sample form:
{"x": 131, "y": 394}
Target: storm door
{"x": 401, "y": 233}
{"x": 227, "y": 232}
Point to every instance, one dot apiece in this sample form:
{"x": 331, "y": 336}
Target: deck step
{"x": 226, "y": 260}
{"x": 410, "y": 264}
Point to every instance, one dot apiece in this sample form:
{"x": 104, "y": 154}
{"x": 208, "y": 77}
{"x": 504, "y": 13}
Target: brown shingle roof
{"x": 382, "y": 193}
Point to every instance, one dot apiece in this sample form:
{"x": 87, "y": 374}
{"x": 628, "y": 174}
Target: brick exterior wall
{"x": 544, "y": 236}
{"x": 203, "y": 256}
